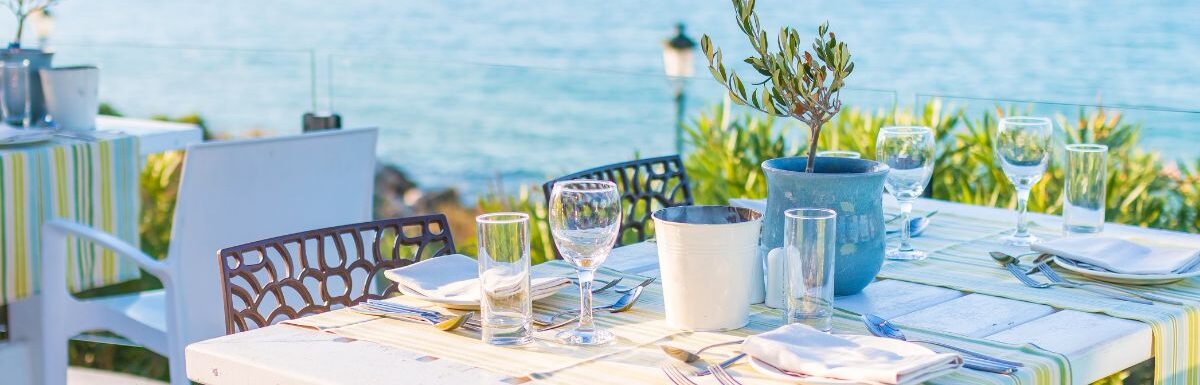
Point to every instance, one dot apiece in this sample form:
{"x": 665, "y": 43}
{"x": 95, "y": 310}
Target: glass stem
{"x": 905, "y": 229}
{"x": 585, "y": 297}
{"x": 1022, "y": 201}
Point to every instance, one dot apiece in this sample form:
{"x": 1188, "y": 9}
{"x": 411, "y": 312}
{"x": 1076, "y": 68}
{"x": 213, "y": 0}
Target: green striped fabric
{"x": 90, "y": 183}
{"x": 958, "y": 247}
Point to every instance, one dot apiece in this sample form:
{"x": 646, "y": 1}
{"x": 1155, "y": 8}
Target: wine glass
{"x": 1023, "y": 150}
{"x": 585, "y": 220}
{"x": 908, "y": 151}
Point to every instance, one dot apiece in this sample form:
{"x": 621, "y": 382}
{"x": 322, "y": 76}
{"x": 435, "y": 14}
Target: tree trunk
{"x": 812, "y": 147}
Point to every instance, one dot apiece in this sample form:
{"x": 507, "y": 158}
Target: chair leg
{"x": 178, "y": 367}
{"x": 54, "y": 356}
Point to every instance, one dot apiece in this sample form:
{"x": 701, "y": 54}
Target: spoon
{"x": 880, "y": 327}
{"x": 689, "y": 357}
{"x": 622, "y": 304}
{"x": 917, "y": 225}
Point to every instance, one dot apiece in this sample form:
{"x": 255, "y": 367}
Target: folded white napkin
{"x": 455, "y": 277}
{"x": 801, "y": 349}
{"x": 1121, "y": 256}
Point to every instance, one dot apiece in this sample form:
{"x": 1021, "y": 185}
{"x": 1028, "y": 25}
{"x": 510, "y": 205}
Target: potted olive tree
{"x": 38, "y": 59}
{"x": 806, "y": 85}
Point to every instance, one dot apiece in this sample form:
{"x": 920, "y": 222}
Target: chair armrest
{"x": 54, "y": 236}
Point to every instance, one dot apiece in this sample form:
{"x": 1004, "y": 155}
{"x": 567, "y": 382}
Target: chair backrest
{"x": 645, "y": 185}
{"x": 240, "y": 191}
{"x": 311, "y": 272}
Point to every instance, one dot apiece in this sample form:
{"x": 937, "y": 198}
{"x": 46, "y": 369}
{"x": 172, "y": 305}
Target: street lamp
{"x": 679, "y": 54}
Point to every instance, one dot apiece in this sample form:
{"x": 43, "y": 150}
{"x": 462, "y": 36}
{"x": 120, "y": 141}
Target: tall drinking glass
{"x": 15, "y": 92}
{"x": 810, "y": 244}
{"x": 908, "y": 151}
{"x": 505, "y": 302}
{"x": 585, "y": 220}
{"x": 1022, "y": 148}
{"x": 1083, "y": 196}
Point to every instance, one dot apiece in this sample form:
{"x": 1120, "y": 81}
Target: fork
{"x": 722, "y": 376}
{"x": 1054, "y": 277}
{"x": 1029, "y": 281}
{"x": 675, "y": 375}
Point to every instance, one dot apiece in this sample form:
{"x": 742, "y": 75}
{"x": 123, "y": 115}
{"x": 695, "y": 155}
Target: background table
{"x": 1096, "y": 345}
{"x": 23, "y": 325}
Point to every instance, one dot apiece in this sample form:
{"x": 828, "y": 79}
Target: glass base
{"x": 1020, "y": 240}
{"x": 592, "y": 337}
{"x": 910, "y": 255}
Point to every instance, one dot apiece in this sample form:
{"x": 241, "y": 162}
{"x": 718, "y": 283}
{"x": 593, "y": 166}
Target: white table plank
{"x": 891, "y": 298}
{"x": 975, "y": 315}
{"x": 1094, "y": 343}
{"x": 283, "y": 354}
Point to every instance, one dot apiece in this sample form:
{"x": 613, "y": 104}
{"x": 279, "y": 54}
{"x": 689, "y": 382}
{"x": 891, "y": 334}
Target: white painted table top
{"x": 1096, "y": 345}
{"x": 153, "y": 136}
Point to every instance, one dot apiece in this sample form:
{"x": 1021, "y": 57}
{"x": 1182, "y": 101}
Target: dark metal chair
{"x": 645, "y": 185}
{"x": 315, "y": 271}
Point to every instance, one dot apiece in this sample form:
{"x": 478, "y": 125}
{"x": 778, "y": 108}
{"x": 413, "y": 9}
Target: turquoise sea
{"x": 466, "y": 91}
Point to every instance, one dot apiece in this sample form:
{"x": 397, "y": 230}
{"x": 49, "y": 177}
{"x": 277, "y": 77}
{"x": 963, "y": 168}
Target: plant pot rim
{"x": 70, "y": 68}
{"x": 873, "y": 168}
{"x": 751, "y": 215}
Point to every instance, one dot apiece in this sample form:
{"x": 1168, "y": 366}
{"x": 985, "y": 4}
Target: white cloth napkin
{"x": 455, "y": 277}
{"x": 801, "y": 349}
{"x": 1121, "y": 256}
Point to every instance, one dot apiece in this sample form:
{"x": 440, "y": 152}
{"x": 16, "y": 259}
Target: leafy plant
{"x": 727, "y": 153}
{"x": 797, "y": 85}
{"x": 21, "y": 9}
{"x": 528, "y": 201}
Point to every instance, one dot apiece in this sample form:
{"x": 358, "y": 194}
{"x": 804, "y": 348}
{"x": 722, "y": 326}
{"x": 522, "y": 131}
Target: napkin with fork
{"x": 1122, "y": 256}
{"x": 803, "y": 350}
{"x": 456, "y": 277}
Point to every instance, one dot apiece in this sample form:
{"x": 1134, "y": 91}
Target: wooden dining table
{"x": 1096, "y": 345}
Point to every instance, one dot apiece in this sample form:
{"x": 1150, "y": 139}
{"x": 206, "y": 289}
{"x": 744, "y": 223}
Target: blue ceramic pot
{"x": 851, "y": 187}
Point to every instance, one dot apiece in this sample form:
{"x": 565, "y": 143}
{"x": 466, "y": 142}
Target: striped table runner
{"x": 958, "y": 259}
{"x": 635, "y": 357}
{"x": 91, "y": 183}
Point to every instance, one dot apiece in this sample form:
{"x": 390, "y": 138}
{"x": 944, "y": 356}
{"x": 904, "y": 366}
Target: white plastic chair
{"x": 230, "y": 193}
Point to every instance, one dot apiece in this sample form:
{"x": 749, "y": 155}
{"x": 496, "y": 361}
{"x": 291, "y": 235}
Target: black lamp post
{"x": 679, "y": 55}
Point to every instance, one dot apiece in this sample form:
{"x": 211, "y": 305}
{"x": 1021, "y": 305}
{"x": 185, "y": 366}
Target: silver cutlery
{"x": 431, "y": 316}
{"x": 880, "y": 327}
{"x": 1010, "y": 263}
{"x": 723, "y": 376}
{"x": 441, "y": 322}
{"x": 646, "y": 282}
{"x": 1043, "y": 267}
{"x": 723, "y": 364}
{"x": 675, "y": 375}
{"x": 622, "y": 304}
{"x": 607, "y": 284}
{"x": 916, "y": 225}
{"x": 689, "y": 357}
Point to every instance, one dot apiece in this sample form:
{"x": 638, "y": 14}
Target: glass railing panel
{"x": 466, "y": 125}
{"x": 234, "y": 90}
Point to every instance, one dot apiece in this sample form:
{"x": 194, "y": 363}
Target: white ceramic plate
{"x": 1126, "y": 279}
{"x": 26, "y": 137}
{"x": 471, "y": 305}
{"x": 899, "y": 347}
